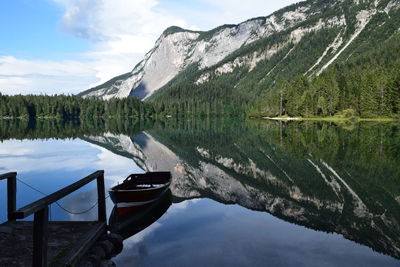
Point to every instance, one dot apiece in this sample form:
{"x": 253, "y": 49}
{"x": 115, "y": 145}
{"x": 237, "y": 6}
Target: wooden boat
{"x": 140, "y": 189}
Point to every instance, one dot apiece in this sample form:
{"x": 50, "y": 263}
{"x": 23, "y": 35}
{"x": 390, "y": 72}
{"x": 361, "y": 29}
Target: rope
{"x": 82, "y": 212}
{"x": 58, "y": 204}
{"x": 31, "y": 187}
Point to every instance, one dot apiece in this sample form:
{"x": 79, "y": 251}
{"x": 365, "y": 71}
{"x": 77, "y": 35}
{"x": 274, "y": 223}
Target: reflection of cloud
{"x": 17, "y": 151}
{"x": 39, "y": 162}
{"x": 79, "y": 202}
{"x": 135, "y": 248}
{"x": 178, "y": 207}
{"x": 139, "y": 237}
{"x": 181, "y": 207}
{"x": 117, "y": 167}
{"x": 35, "y": 155}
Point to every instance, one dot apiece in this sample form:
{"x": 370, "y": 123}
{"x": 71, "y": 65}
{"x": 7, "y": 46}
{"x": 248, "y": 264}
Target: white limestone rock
{"x": 174, "y": 51}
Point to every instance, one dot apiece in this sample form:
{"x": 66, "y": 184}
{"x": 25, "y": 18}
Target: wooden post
{"x": 11, "y": 196}
{"x": 40, "y": 237}
{"x": 101, "y": 198}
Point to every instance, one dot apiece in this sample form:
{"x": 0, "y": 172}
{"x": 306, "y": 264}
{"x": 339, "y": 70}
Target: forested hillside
{"x": 367, "y": 85}
{"x": 346, "y": 60}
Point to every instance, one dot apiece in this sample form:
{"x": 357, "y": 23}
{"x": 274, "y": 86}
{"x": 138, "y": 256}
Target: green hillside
{"x": 364, "y": 76}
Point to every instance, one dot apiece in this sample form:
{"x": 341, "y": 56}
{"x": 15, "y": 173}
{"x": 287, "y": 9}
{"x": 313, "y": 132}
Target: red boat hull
{"x": 136, "y": 197}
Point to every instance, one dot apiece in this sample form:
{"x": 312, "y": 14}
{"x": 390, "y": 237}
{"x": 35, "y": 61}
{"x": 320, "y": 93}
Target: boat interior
{"x": 146, "y": 180}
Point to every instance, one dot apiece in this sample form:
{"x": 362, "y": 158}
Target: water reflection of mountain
{"x": 329, "y": 178}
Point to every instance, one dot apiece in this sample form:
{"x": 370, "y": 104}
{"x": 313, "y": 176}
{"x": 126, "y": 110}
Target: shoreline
{"x": 329, "y": 119}
{"x": 332, "y": 119}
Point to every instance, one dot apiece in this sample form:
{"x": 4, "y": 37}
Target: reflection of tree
{"x": 45, "y": 129}
{"x": 346, "y": 180}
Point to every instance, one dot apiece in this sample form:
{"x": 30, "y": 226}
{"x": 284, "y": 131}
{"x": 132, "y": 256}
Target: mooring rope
{"x": 58, "y": 204}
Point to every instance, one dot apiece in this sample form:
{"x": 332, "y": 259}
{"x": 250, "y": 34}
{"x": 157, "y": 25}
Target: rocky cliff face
{"x": 177, "y": 49}
{"x": 228, "y": 47}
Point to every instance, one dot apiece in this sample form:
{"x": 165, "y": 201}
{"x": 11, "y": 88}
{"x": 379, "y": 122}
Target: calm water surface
{"x": 243, "y": 194}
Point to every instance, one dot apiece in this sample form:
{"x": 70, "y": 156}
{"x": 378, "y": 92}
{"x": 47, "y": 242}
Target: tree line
{"x": 75, "y": 107}
{"x": 78, "y": 128}
{"x": 71, "y": 107}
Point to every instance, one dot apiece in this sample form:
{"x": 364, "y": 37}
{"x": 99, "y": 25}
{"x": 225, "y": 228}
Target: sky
{"x": 67, "y": 46}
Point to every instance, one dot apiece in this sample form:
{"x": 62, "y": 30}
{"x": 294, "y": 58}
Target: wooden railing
{"x": 11, "y": 192}
{"x": 40, "y": 209}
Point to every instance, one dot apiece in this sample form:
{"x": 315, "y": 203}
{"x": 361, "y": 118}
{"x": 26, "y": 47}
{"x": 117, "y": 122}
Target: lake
{"x": 243, "y": 193}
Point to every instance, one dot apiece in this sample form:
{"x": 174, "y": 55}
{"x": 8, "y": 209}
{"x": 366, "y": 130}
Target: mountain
{"x": 319, "y": 176}
{"x": 246, "y": 59}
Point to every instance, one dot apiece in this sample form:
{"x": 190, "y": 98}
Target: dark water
{"x": 243, "y": 193}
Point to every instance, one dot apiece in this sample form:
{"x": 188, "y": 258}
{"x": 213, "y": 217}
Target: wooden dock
{"x": 44, "y": 243}
{"x": 65, "y": 242}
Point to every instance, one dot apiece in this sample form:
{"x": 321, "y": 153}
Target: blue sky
{"x": 31, "y": 29}
{"x": 66, "y": 46}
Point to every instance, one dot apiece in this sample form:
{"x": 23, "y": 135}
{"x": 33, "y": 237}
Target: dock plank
{"x": 64, "y": 240}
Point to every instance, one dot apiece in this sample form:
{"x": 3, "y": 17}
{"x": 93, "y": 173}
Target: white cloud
{"x": 215, "y": 13}
{"x": 106, "y": 20}
{"x": 36, "y": 77}
{"x": 235, "y": 11}
{"x": 121, "y": 32}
